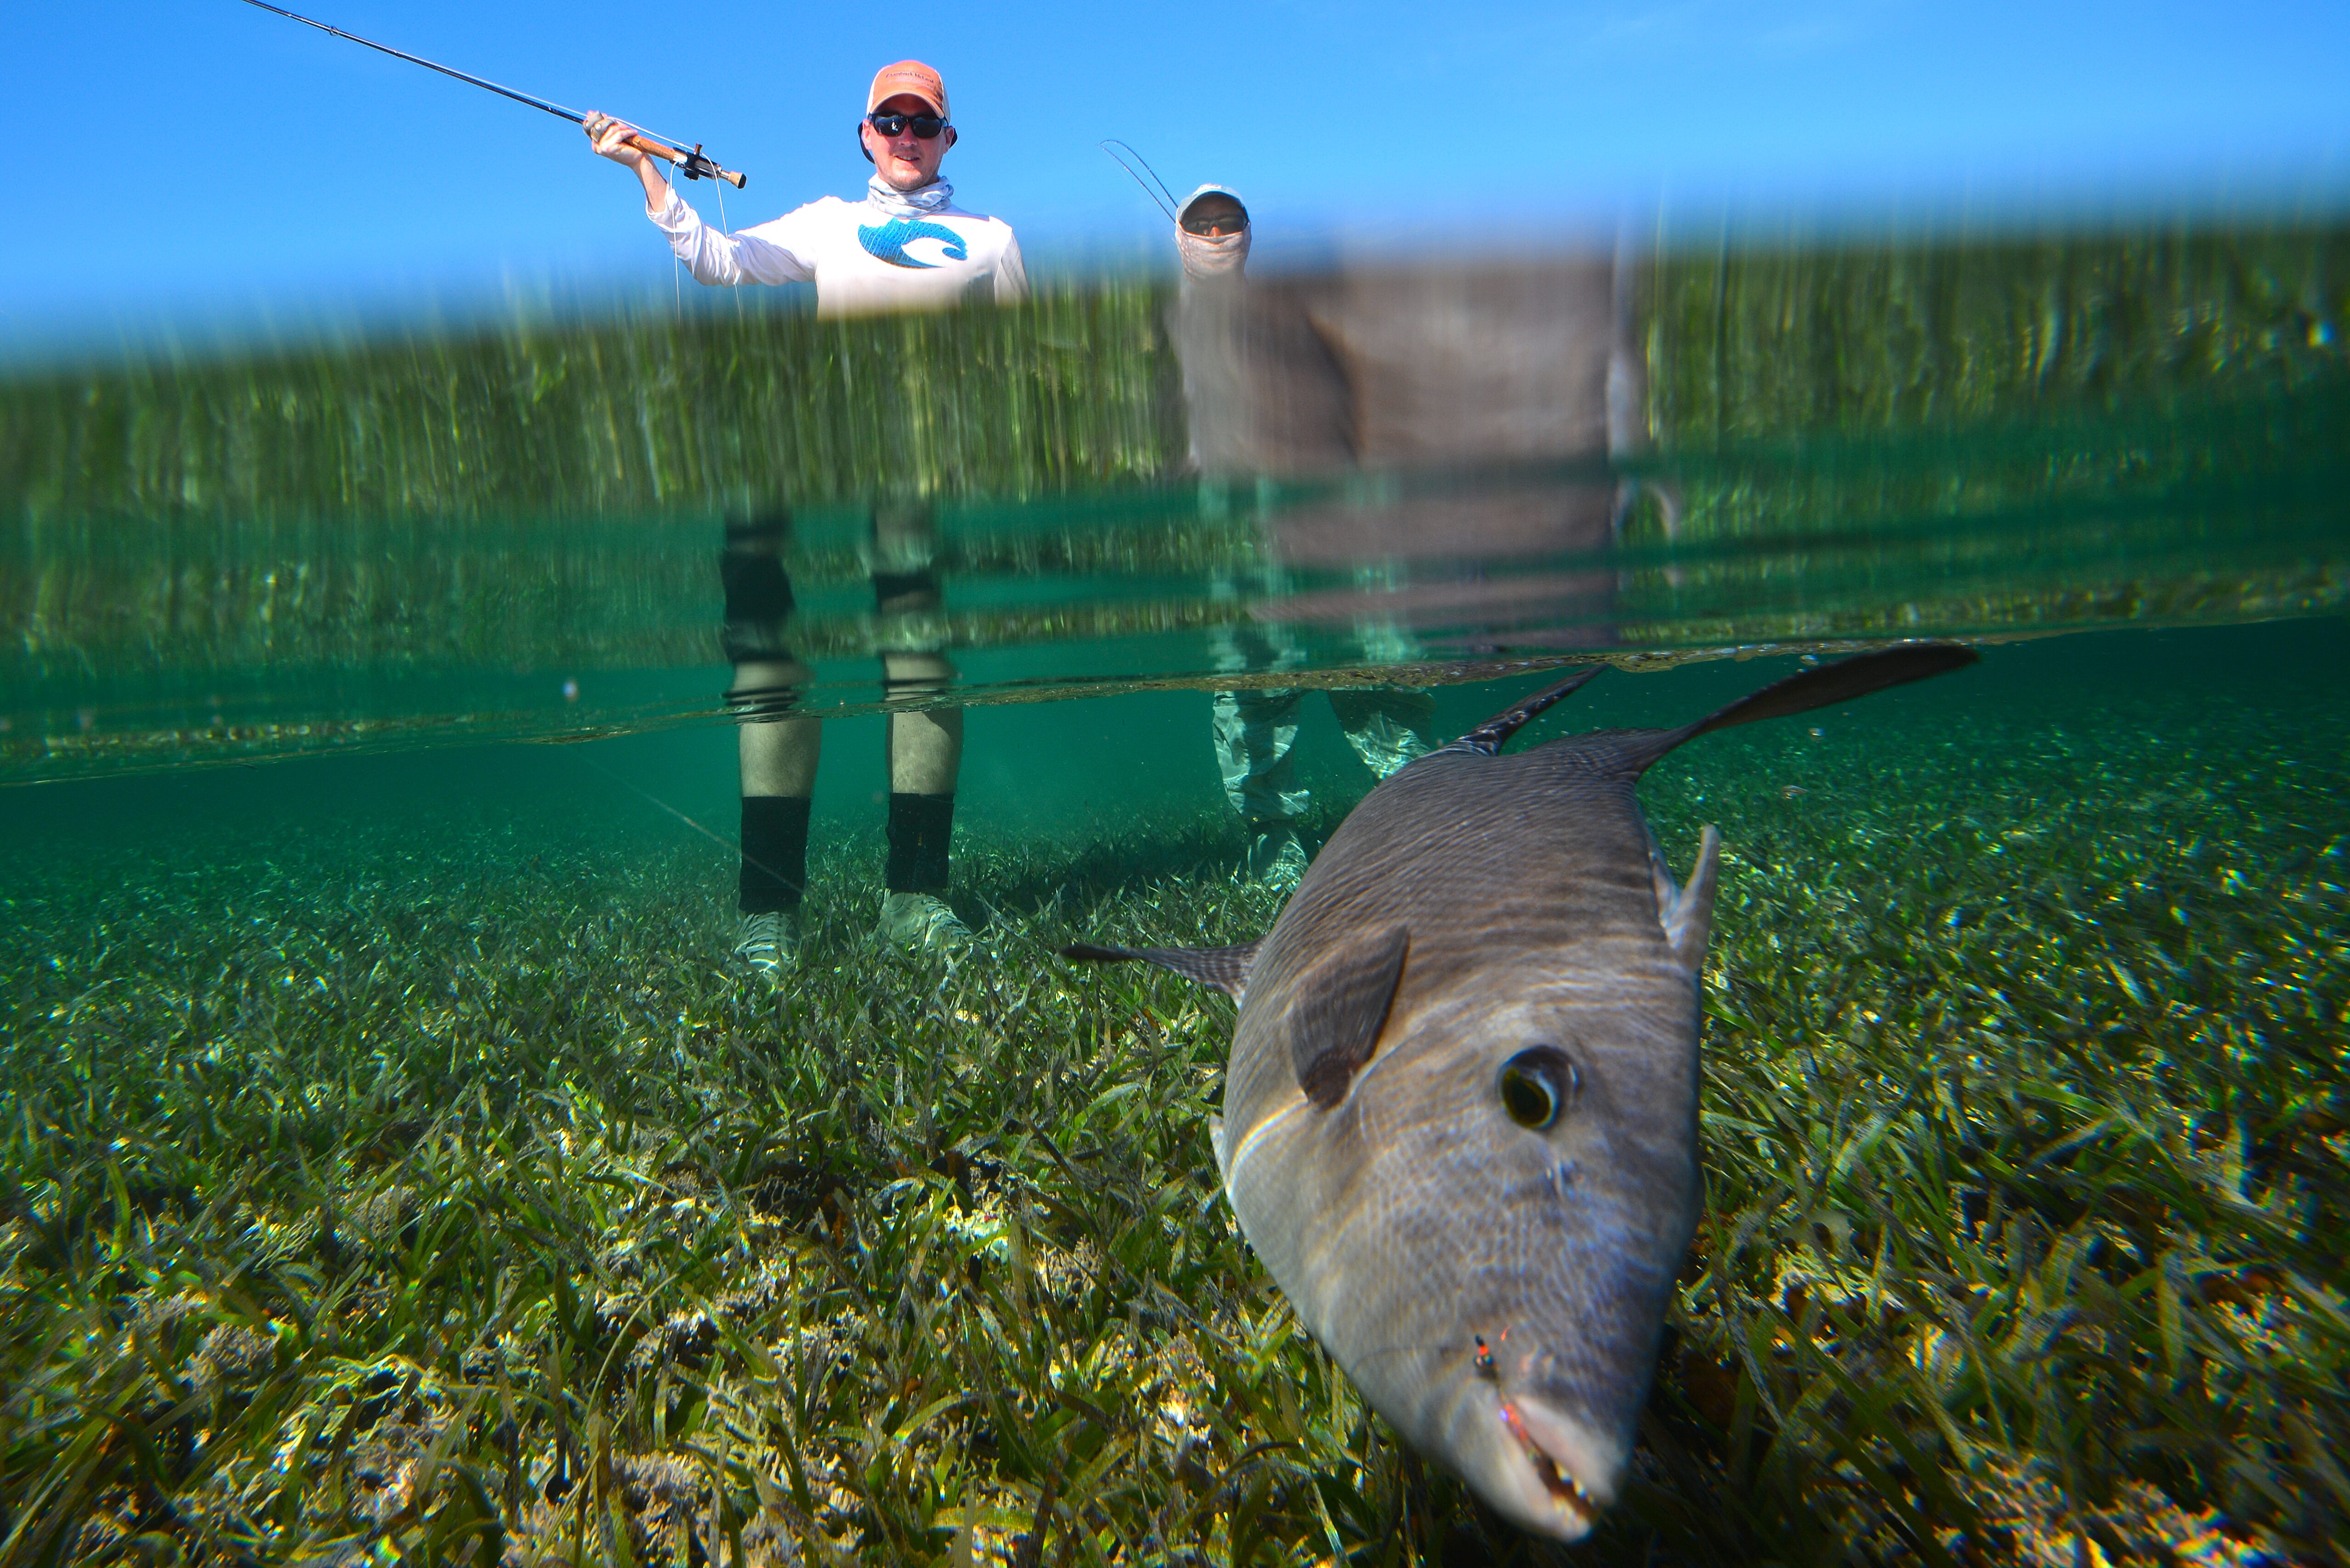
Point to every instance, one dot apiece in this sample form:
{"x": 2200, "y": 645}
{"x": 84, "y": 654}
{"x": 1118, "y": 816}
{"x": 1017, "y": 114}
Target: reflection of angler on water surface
{"x": 1220, "y": 341}
{"x": 1454, "y": 366}
{"x": 905, "y": 246}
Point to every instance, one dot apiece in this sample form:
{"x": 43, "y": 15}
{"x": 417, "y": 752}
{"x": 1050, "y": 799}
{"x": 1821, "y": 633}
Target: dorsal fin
{"x": 1226, "y": 968}
{"x": 1487, "y": 738}
{"x": 1337, "y": 1008}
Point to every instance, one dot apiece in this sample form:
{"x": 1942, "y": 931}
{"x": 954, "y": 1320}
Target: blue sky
{"x": 203, "y": 157}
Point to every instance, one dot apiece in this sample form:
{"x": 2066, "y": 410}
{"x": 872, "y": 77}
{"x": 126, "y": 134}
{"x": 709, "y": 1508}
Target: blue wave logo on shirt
{"x": 889, "y": 241}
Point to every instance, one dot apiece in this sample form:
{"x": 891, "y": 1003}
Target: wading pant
{"x": 1256, "y": 728}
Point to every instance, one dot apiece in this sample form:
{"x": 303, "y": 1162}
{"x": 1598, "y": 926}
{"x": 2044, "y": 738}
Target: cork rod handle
{"x": 643, "y": 143}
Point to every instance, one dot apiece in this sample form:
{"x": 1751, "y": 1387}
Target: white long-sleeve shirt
{"x": 861, "y": 257}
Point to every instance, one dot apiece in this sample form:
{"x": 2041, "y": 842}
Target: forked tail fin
{"x": 1829, "y": 684}
{"x": 1822, "y": 687}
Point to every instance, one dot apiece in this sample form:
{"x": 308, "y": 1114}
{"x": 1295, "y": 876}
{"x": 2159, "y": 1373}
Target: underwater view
{"x": 498, "y": 1063}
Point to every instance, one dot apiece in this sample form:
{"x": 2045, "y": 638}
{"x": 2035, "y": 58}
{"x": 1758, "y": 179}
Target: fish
{"x": 1459, "y": 1120}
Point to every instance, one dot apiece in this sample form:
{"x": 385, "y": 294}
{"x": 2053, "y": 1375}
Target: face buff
{"x": 934, "y": 197}
{"x": 888, "y": 242}
{"x": 1211, "y": 256}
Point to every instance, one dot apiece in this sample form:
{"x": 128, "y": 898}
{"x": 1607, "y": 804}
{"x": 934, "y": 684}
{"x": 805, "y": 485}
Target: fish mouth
{"x": 1552, "y": 1444}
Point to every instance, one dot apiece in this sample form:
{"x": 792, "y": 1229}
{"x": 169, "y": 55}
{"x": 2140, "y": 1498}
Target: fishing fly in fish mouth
{"x": 1461, "y": 1113}
{"x": 1514, "y": 1218}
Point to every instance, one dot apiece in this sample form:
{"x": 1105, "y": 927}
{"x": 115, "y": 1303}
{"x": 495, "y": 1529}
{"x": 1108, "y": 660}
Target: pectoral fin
{"x": 1226, "y": 968}
{"x": 1339, "y": 1009}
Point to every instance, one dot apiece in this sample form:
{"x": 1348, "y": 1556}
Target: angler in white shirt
{"x": 906, "y": 246}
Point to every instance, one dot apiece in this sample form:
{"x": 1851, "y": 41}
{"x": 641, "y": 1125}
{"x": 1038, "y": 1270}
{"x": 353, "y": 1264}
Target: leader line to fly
{"x": 691, "y": 164}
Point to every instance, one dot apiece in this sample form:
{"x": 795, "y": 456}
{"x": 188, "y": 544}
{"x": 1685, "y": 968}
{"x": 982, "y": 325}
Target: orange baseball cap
{"x": 907, "y": 77}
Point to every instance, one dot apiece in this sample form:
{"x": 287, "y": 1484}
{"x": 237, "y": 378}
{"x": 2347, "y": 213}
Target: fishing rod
{"x": 692, "y": 165}
{"x": 1166, "y": 205}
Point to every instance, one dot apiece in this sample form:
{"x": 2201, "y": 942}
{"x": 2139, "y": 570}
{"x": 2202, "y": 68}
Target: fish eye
{"x": 1537, "y": 1085}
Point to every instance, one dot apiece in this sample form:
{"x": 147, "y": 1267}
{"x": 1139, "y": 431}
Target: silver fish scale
{"x": 1543, "y": 854}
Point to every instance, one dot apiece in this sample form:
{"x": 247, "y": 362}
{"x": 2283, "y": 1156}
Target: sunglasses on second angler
{"x": 1214, "y": 224}
{"x": 925, "y": 126}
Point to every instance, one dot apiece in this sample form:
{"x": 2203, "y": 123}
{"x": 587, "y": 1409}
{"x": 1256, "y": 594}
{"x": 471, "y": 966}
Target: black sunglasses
{"x": 1215, "y": 224}
{"x": 924, "y": 126}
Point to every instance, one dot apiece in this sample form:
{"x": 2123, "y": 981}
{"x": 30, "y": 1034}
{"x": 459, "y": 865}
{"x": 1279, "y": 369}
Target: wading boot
{"x": 920, "y": 923}
{"x": 1276, "y": 859}
{"x": 768, "y": 943}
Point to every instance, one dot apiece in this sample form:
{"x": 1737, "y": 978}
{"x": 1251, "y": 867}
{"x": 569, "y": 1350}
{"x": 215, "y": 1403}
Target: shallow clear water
{"x": 398, "y": 1156}
{"x": 513, "y": 532}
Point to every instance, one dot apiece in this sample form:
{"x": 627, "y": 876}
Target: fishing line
{"x": 1163, "y": 198}
{"x": 726, "y": 229}
{"x": 729, "y": 846}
